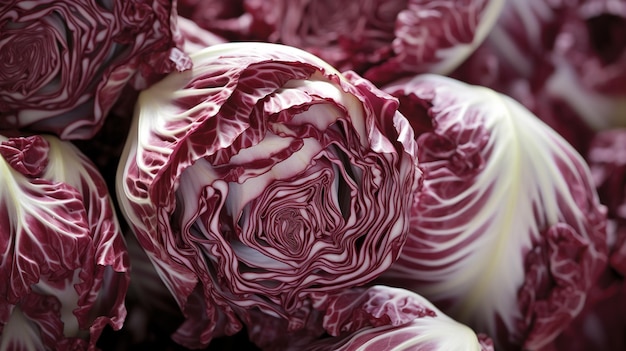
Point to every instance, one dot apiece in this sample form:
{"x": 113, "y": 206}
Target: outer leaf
{"x": 102, "y": 293}
{"x": 589, "y": 60}
{"x": 436, "y": 36}
{"x": 601, "y": 326}
{"x": 63, "y": 257}
{"x": 28, "y": 156}
{"x": 36, "y": 240}
{"x": 392, "y": 319}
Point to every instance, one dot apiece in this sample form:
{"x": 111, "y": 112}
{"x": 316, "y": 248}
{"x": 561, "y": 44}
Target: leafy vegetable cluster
{"x": 313, "y": 175}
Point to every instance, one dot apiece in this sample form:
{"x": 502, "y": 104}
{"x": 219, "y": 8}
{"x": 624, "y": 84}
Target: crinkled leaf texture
{"x": 589, "y": 61}
{"x": 380, "y": 39}
{"x": 507, "y": 231}
{"x": 514, "y": 62}
{"x": 64, "y": 64}
{"x": 436, "y": 36}
{"x": 607, "y": 161}
{"x": 601, "y": 325}
{"x": 569, "y": 54}
{"x": 386, "y": 318}
{"x": 64, "y": 264}
{"x": 261, "y": 177}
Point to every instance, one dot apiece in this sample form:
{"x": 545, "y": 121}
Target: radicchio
{"x": 380, "y": 40}
{"x": 64, "y": 64}
{"x": 391, "y": 319}
{"x": 507, "y": 232}
{"x": 261, "y": 178}
{"x": 564, "y": 60}
{"x": 64, "y": 264}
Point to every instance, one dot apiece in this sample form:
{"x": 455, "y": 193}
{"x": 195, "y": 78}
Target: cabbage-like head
{"x": 571, "y": 55}
{"x": 64, "y": 266}
{"x": 507, "y": 231}
{"x": 64, "y": 63}
{"x": 379, "y": 39}
{"x": 263, "y": 177}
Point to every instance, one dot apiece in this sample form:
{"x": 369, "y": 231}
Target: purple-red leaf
{"x": 63, "y": 258}
{"x": 498, "y": 185}
{"x": 64, "y": 63}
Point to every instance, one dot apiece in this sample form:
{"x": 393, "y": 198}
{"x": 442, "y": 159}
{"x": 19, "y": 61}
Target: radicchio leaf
{"x": 381, "y": 40}
{"x": 607, "y": 161}
{"x": 64, "y": 260}
{"x": 564, "y": 60}
{"x": 391, "y": 319}
{"x": 64, "y": 64}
